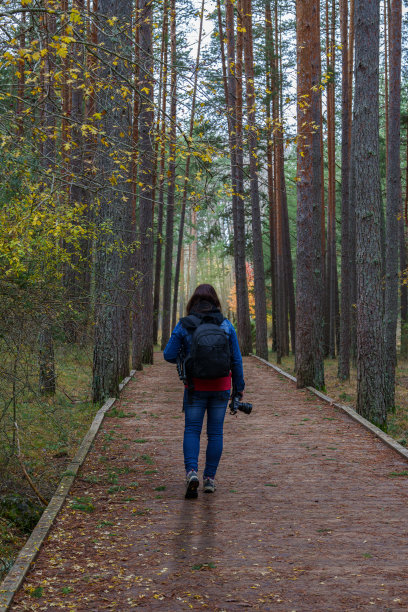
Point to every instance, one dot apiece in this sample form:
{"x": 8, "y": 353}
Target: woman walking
{"x": 210, "y": 342}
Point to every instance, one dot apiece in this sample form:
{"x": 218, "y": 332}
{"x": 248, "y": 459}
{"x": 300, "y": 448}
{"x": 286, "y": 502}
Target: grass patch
{"x": 117, "y": 489}
{"x": 270, "y": 484}
{"x": 160, "y": 488}
{"x": 141, "y": 440}
{"x": 66, "y": 590}
{"x": 398, "y": 474}
{"x": 92, "y": 479}
{"x": 116, "y": 413}
{"x": 105, "y": 524}
{"x": 203, "y": 566}
{"x": 84, "y": 504}
{"x": 147, "y": 459}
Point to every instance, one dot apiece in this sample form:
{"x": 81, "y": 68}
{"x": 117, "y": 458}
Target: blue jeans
{"x": 215, "y": 402}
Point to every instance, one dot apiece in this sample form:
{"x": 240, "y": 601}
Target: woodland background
{"x": 148, "y": 146}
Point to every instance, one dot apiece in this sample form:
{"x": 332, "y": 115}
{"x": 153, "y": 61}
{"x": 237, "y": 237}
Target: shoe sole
{"x": 191, "y": 492}
{"x": 209, "y": 489}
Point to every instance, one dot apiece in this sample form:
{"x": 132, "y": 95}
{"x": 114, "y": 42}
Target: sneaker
{"x": 209, "y": 485}
{"x": 192, "y": 483}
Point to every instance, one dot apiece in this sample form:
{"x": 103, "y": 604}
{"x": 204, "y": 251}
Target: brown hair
{"x": 203, "y": 293}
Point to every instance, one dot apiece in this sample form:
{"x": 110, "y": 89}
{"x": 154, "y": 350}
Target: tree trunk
{"x": 159, "y": 233}
{"x": 244, "y": 323}
{"x": 352, "y": 208}
{"x": 193, "y": 254}
{"x": 137, "y": 341}
{"x": 77, "y": 278}
{"x": 370, "y": 341}
{"x": 168, "y": 259}
{"x": 331, "y": 208}
{"x": 160, "y": 209}
{"x": 47, "y": 375}
{"x": 259, "y": 273}
{"x": 344, "y": 347}
{"x": 309, "y": 315}
{"x": 111, "y": 349}
{"x": 269, "y": 55}
{"x": 146, "y": 174}
{"x": 394, "y": 204}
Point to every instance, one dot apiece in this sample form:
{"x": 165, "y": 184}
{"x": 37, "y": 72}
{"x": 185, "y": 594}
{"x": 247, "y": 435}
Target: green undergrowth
{"x": 345, "y": 392}
{"x": 49, "y": 432}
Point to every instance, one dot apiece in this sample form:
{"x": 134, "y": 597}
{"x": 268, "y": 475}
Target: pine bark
{"x": 344, "y": 346}
{"x": 309, "y": 314}
{"x": 47, "y": 375}
{"x": 331, "y": 270}
{"x": 146, "y": 174}
{"x": 270, "y": 77}
{"x": 112, "y": 337}
{"x": 168, "y": 259}
{"x": 244, "y": 323}
{"x": 160, "y": 209}
{"x": 394, "y": 203}
{"x": 370, "y": 341}
{"x": 77, "y": 277}
{"x": 259, "y": 272}
{"x": 403, "y": 263}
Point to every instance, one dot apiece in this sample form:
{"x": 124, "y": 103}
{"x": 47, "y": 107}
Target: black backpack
{"x": 210, "y": 355}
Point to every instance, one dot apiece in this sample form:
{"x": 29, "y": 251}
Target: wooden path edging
{"x": 29, "y": 552}
{"x": 348, "y": 410}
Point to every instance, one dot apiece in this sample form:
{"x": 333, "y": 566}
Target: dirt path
{"x": 310, "y": 512}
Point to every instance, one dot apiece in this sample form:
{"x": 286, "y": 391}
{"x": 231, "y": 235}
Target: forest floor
{"x": 345, "y": 392}
{"x": 49, "y": 430}
{"x": 309, "y": 514}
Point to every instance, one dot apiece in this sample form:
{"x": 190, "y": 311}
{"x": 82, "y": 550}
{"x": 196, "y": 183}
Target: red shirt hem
{"x": 212, "y": 384}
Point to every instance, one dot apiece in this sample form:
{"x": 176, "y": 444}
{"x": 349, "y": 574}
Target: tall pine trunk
{"x": 331, "y": 270}
{"x": 244, "y": 323}
{"x": 344, "y": 346}
{"x": 111, "y": 348}
{"x": 162, "y": 158}
{"x": 394, "y": 203}
{"x": 259, "y": 273}
{"x": 370, "y": 341}
{"x": 168, "y": 259}
{"x": 146, "y": 176}
{"x": 270, "y": 81}
{"x": 309, "y": 315}
{"x": 47, "y": 375}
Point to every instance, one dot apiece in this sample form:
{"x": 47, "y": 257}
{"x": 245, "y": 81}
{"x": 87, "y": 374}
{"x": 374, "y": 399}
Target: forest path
{"x": 309, "y": 514}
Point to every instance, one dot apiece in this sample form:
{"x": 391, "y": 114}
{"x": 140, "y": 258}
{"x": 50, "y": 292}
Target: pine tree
{"x": 309, "y": 315}
{"x": 370, "y": 341}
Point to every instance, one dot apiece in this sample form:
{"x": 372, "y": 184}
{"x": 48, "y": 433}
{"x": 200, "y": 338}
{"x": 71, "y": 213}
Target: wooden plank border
{"x": 29, "y": 552}
{"x": 388, "y": 440}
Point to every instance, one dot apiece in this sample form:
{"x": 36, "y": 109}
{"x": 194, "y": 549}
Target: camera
{"x": 236, "y": 405}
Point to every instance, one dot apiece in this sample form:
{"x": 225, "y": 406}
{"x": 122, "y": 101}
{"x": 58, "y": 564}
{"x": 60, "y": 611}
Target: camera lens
{"x": 246, "y": 408}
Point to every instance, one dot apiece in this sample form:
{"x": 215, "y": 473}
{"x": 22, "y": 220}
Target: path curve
{"x": 310, "y": 512}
